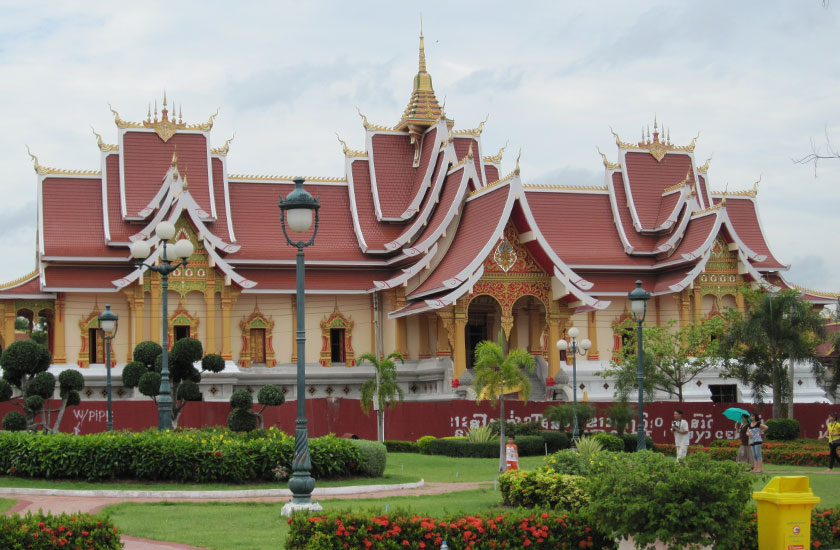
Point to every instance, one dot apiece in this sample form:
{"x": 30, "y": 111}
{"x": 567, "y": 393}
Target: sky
{"x": 758, "y": 82}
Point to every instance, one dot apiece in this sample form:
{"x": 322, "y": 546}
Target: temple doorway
{"x": 258, "y": 345}
{"x": 483, "y": 316}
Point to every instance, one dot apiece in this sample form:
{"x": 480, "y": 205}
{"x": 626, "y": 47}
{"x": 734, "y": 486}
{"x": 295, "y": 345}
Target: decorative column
{"x": 592, "y": 329}
{"x": 698, "y": 305}
{"x": 3, "y": 336}
{"x": 535, "y": 331}
{"x": 459, "y": 348}
{"x": 373, "y": 324}
{"x": 513, "y": 341}
{"x": 59, "y": 348}
{"x": 556, "y": 319}
{"x": 228, "y": 300}
{"x": 425, "y": 352}
{"x": 685, "y": 306}
{"x": 739, "y": 301}
{"x": 210, "y": 309}
{"x": 294, "y": 324}
{"x": 402, "y": 337}
{"x": 445, "y": 333}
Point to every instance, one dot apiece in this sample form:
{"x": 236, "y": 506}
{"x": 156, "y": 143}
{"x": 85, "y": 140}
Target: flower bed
{"x": 195, "y": 456}
{"x": 66, "y": 531}
{"x": 535, "y": 530}
{"x": 791, "y": 453}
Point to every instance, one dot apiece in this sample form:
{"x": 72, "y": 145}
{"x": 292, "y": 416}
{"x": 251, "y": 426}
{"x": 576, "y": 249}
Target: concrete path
{"x": 58, "y": 501}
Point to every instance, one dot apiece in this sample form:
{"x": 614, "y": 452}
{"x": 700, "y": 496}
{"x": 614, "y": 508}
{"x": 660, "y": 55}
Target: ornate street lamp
{"x": 170, "y": 259}
{"x": 575, "y": 348}
{"x": 296, "y": 212}
{"x": 108, "y": 322}
{"x": 638, "y": 305}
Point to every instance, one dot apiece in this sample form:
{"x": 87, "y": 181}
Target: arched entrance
{"x": 484, "y": 316}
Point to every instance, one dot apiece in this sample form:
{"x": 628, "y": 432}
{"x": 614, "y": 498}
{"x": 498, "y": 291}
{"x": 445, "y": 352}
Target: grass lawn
{"x": 258, "y": 525}
{"x": 6, "y": 503}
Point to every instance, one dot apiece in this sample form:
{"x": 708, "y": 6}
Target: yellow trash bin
{"x": 784, "y": 513}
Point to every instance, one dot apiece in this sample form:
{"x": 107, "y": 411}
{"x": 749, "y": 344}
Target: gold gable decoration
{"x": 337, "y": 320}
{"x": 165, "y": 127}
{"x": 659, "y": 145}
{"x": 250, "y": 340}
{"x": 87, "y": 323}
{"x": 720, "y": 276}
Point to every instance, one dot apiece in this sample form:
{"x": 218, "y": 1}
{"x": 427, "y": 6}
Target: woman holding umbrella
{"x": 745, "y": 453}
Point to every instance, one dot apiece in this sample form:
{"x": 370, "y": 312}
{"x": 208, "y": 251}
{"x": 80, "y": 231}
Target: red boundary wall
{"x": 414, "y": 419}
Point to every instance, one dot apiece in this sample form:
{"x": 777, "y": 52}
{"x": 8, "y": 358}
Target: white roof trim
{"x": 584, "y": 297}
{"x": 409, "y": 272}
{"x": 351, "y": 191}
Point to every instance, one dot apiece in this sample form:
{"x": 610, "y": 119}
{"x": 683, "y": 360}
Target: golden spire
{"x": 423, "y": 109}
{"x": 422, "y": 48}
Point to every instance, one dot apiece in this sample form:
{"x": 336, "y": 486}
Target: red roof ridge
{"x": 286, "y": 179}
{"x": 48, "y": 171}
{"x": 20, "y": 280}
{"x": 561, "y": 188}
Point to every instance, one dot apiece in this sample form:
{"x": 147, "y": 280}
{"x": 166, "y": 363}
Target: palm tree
{"x": 384, "y": 388}
{"x": 776, "y": 328}
{"x": 493, "y": 371}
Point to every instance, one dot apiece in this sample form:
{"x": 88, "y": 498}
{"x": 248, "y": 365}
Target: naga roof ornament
{"x": 705, "y": 167}
{"x": 658, "y": 148}
{"x": 47, "y": 171}
{"x": 224, "y": 149}
{"x": 164, "y": 127}
{"x": 607, "y": 164}
{"x": 423, "y": 109}
{"x": 104, "y": 147}
{"x": 347, "y": 151}
{"x": 497, "y": 158}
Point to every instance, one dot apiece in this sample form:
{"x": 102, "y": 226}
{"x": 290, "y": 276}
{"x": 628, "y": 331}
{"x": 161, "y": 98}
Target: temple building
{"x": 425, "y": 245}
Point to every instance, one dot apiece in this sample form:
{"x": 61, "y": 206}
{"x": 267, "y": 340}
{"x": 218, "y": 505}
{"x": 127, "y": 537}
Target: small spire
{"x": 149, "y": 114}
{"x": 164, "y": 99}
{"x": 470, "y": 152}
{"x": 174, "y": 163}
{"x": 180, "y": 115}
{"x": 422, "y": 49}
{"x": 156, "y": 110}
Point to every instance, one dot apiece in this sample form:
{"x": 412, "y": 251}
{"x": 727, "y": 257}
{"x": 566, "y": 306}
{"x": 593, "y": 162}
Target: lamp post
{"x": 638, "y": 305}
{"x": 296, "y": 211}
{"x": 170, "y": 259}
{"x": 108, "y": 322}
{"x": 575, "y": 348}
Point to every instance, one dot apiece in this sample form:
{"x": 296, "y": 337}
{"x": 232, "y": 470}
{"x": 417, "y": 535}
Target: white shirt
{"x": 680, "y": 439}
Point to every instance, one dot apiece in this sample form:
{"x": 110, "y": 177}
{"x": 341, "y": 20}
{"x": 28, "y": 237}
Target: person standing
{"x": 757, "y": 429}
{"x": 745, "y": 454}
{"x": 511, "y": 454}
{"x": 832, "y": 433}
{"x": 681, "y": 436}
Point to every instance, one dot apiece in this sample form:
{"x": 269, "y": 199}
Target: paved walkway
{"x": 57, "y": 501}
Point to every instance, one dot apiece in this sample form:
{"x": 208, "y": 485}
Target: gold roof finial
{"x": 607, "y": 164}
{"x": 343, "y": 143}
{"x": 223, "y": 150}
{"x": 423, "y": 109}
{"x": 755, "y": 185}
{"x": 35, "y": 164}
{"x": 497, "y": 158}
{"x": 104, "y": 147}
{"x": 365, "y": 122}
{"x": 516, "y": 169}
{"x": 470, "y": 151}
{"x": 422, "y": 64}
{"x": 174, "y": 163}
{"x": 725, "y": 191}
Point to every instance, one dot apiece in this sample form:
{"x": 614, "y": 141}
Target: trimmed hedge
{"x": 610, "y": 442}
{"x": 395, "y": 446}
{"x": 529, "y": 445}
{"x": 535, "y": 530}
{"x": 194, "y": 456}
{"x": 374, "y": 457}
{"x": 555, "y": 440}
{"x": 47, "y": 532}
{"x": 543, "y": 488}
{"x": 631, "y": 441}
{"x": 423, "y": 444}
{"x": 782, "y": 429}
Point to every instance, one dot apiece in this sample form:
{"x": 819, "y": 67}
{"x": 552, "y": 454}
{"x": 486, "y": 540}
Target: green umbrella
{"x": 735, "y": 414}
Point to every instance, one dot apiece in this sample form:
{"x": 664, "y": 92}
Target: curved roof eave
{"x": 357, "y": 227}
{"x": 585, "y": 298}
{"x": 443, "y": 301}
{"x": 409, "y": 272}
{"x": 414, "y": 206}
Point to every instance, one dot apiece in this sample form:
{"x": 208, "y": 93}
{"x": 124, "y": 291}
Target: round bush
{"x": 213, "y": 362}
{"x": 242, "y": 420}
{"x": 149, "y": 384}
{"x": 423, "y": 444}
{"x": 374, "y": 456}
{"x": 783, "y": 429}
{"x": 147, "y": 352}
{"x": 22, "y": 358}
{"x": 271, "y": 395}
{"x": 566, "y": 462}
{"x": 14, "y": 422}
{"x": 34, "y": 403}
{"x": 189, "y": 391}
{"x": 186, "y": 351}
{"x": 5, "y": 390}
{"x": 43, "y": 385}
{"x": 73, "y": 398}
{"x": 241, "y": 399}
{"x": 609, "y": 442}
{"x": 132, "y": 372}
{"x": 71, "y": 380}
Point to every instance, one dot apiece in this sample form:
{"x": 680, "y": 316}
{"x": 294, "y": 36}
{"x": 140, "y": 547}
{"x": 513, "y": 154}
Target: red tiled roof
{"x": 492, "y": 172}
{"x": 256, "y": 219}
{"x": 703, "y": 191}
{"x": 479, "y": 221}
{"x": 220, "y": 226}
{"x": 396, "y": 181}
{"x": 72, "y": 218}
{"x": 744, "y": 218}
{"x": 451, "y": 186}
{"x": 696, "y": 234}
{"x": 120, "y": 230}
{"x": 375, "y": 233}
{"x": 667, "y": 207}
{"x": 462, "y": 148}
{"x": 32, "y": 286}
{"x": 617, "y": 282}
{"x": 146, "y": 158}
{"x": 419, "y": 222}
{"x": 84, "y": 277}
{"x": 640, "y": 242}
{"x": 283, "y": 279}
{"x": 648, "y": 178}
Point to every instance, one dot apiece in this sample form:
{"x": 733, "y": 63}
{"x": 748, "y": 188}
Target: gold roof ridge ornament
{"x": 224, "y": 149}
{"x": 372, "y": 127}
{"x": 560, "y": 187}
{"x": 705, "y": 168}
{"x": 104, "y": 147}
{"x": 47, "y": 171}
{"x": 497, "y": 158}
{"x": 492, "y": 184}
{"x": 269, "y": 177}
{"x": 164, "y": 127}
{"x": 475, "y": 132}
{"x": 656, "y": 147}
{"x": 516, "y": 169}
{"x": 348, "y": 152}
{"x": 815, "y": 292}
{"x": 607, "y": 164}
{"x": 680, "y": 184}
{"x": 19, "y": 280}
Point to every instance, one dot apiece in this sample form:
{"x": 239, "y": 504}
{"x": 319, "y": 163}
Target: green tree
{"x": 383, "y": 389}
{"x": 25, "y": 364}
{"x": 144, "y": 372}
{"x": 672, "y": 357}
{"x": 761, "y": 346}
{"x": 495, "y": 370}
{"x": 22, "y": 324}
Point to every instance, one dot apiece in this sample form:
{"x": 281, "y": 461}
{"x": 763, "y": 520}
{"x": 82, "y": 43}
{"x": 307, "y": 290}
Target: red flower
{"x": 61, "y": 528}
{"x": 405, "y": 543}
{"x": 218, "y": 453}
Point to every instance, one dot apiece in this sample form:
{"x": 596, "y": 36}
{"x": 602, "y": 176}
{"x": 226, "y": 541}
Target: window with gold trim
{"x": 337, "y": 337}
{"x": 257, "y": 347}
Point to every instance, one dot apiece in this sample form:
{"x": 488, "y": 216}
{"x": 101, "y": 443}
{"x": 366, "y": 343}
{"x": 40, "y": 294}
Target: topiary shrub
{"x": 5, "y": 390}
{"x": 782, "y": 429}
{"x": 394, "y": 446}
{"x": 609, "y": 442}
{"x": 242, "y": 420}
{"x": 34, "y": 403}
{"x": 213, "y": 362}
{"x": 374, "y": 457}
{"x": 14, "y": 422}
{"x": 42, "y": 385}
{"x": 423, "y": 444}
{"x": 132, "y": 372}
{"x": 543, "y": 488}
{"x": 566, "y": 462}
{"x": 241, "y": 399}
{"x": 529, "y": 445}
{"x": 146, "y": 353}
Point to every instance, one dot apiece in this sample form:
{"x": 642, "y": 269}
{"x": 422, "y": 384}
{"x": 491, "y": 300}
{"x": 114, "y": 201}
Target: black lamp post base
{"x": 291, "y": 507}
